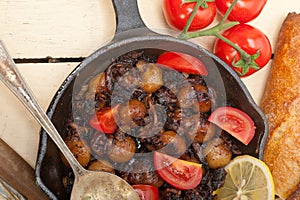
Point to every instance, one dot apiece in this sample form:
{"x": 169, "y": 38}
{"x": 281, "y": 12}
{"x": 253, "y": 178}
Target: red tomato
{"x": 177, "y": 14}
{"x": 181, "y": 174}
{"x": 146, "y": 192}
{"x": 235, "y": 122}
{"x": 243, "y": 11}
{"x": 182, "y": 63}
{"x": 248, "y": 38}
{"x": 104, "y": 120}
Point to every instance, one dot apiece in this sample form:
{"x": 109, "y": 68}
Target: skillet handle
{"x": 127, "y": 15}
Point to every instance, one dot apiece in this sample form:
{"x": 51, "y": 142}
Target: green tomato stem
{"x": 189, "y": 1}
{"x": 224, "y": 18}
{"x": 193, "y": 1}
{"x": 208, "y": 32}
{"x": 244, "y": 54}
{"x": 216, "y": 31}
{"x": 189, "y": 22}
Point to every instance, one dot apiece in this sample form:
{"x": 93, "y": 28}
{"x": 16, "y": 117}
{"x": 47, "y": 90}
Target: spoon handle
{"x": 11, "y": 77}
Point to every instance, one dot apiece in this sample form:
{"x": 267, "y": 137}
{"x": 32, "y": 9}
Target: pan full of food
{"x": 162, "y": 113}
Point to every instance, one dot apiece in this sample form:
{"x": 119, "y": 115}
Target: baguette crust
{"x": 281, "y": 104}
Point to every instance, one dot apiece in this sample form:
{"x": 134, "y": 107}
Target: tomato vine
{"x": 246, "y": 60}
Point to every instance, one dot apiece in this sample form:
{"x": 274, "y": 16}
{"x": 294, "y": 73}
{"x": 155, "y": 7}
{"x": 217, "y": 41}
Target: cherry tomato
{"x": 249, "y": 39}
{"x": 181, "y": 174}
{"x": 235, "y": 122}
{"x": 146, "y": 192}
{"x": 243, "y": 11}
{"x": 104, "y": 120}
{"x": 177, "y": 14}
{"x": 182, "y": 63}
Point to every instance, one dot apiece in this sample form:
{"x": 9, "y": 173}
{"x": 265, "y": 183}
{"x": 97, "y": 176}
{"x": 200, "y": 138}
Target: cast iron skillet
{"x": 132, "y": 34}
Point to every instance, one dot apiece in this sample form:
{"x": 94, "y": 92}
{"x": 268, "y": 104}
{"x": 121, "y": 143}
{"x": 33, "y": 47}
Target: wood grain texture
{"x": 56, "y": 28}
{"x": 61, "y": 28}
{"x": 18, "y": 173}
{"x": 17, "y": 127}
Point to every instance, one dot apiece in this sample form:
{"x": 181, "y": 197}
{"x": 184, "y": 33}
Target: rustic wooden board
{"x": 61, "y": 28}
{"x": 17, "y": 127}
{"x": 56, "y": 28}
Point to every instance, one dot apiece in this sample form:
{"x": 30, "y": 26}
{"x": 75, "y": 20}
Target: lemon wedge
{"x": 248, "y": 178}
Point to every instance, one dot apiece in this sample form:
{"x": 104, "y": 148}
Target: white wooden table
{"x": 73, "y": 29}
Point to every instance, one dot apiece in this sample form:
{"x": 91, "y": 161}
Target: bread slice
{"x": 281, "y": 104}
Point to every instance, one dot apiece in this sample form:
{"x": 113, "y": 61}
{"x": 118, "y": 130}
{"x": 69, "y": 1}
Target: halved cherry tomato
{"x": 235, "y": 122}
{"x": 177, "y": 13}
{"x": 146, "y": 192}
{"x": 104, "y": 120}
{"x": 249, "y": 39}
{"x": 182, "y": 63}
{"x": 243, "y": 11}
{"x": 180, "y": 174}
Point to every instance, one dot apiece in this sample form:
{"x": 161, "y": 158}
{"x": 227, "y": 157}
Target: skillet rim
{"x": 115, "y": 44}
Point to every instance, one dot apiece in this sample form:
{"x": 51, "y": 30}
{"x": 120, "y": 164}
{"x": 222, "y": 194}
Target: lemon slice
{"x": 248, "y": 178}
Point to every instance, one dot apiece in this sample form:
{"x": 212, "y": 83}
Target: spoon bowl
{"x": 88, "y": 184}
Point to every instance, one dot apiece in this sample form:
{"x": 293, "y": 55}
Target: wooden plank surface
{"x": 61, "y": 28}
{"x": 17, "y": 127}
{"x": 56, "y": 28}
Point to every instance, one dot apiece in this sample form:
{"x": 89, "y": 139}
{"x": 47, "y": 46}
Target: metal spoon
{"x": 88, "y": 184}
